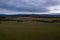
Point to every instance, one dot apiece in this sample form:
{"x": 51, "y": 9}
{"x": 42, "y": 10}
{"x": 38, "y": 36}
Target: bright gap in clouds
{"x": 54, "y": 9}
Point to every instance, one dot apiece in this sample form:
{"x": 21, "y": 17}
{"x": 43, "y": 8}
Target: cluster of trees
{"x": 45, "y": 21}
{"x": 19, "y": 20}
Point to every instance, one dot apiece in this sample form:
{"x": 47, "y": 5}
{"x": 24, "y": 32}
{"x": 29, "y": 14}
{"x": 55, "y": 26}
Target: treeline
{"x": 44, "y": 21}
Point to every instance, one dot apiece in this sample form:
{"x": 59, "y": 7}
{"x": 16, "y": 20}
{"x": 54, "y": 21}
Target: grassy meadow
{"x": 29, "y": 31}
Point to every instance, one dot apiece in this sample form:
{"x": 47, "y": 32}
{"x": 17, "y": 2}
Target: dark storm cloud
{"x": 28, "y": 5}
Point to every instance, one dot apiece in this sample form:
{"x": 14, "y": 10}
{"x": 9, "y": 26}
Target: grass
{"x": 29, "y": 31}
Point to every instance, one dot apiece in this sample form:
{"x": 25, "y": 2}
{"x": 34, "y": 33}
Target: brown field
{"x": 29, "y": 30}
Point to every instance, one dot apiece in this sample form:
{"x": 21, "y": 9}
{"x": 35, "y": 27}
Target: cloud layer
{"x": 41, "y": 6}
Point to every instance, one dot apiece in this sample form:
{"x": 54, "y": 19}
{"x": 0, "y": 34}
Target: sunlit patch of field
{"x": 29, "y": 31}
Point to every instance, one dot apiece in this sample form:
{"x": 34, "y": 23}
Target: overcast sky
{"x": 29, "y": 6}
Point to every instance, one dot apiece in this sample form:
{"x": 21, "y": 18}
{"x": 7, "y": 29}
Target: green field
{"x": 29, "y": 31}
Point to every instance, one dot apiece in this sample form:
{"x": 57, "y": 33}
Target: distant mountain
{"x": 2, "y": 14}
{"x": 34, "y": 15}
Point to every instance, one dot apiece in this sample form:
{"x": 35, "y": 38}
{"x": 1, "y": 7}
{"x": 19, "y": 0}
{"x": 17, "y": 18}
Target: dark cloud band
{"x": 28, "y": 5}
